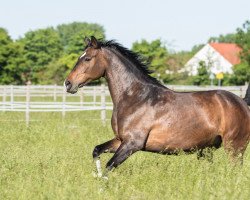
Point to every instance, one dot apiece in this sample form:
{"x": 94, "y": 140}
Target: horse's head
{"x": 89, "y": 66}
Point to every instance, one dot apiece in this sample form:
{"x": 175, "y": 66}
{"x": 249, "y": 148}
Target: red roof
{"x": 229, "y": 51}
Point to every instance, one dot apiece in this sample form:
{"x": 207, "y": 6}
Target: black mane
{"x": 134, "y": 58}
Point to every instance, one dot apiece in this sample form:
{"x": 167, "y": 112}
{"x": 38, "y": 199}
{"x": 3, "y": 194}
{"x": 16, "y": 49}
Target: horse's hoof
{"x": 96, "y": 174}
{"x": 99, "y": 175}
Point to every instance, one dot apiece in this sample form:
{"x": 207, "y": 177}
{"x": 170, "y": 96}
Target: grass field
{"x": 52, "y": 159}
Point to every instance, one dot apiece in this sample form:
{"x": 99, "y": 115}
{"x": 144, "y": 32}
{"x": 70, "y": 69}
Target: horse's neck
{"x": 121, "y": 82}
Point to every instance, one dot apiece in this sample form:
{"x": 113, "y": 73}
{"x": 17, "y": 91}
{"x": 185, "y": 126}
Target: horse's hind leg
{"x": 235, "y": 146}
{"x": 236, "y": 156}
{"x": 109, "y": 146}
{"x": 207, "y": 153}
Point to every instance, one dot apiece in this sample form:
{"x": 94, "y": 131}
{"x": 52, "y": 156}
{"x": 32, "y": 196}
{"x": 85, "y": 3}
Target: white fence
{"x": 53, "y": 98}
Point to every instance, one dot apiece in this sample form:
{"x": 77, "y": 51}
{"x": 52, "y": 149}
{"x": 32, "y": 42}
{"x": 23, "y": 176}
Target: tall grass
{"x": 52, "y": 159}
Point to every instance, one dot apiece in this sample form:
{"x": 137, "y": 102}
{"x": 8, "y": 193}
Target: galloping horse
{"x": 247, "y": 97}
{"x": 148, "y": 116}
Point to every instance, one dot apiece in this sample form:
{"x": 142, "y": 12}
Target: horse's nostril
{"x": 68, "y": 84}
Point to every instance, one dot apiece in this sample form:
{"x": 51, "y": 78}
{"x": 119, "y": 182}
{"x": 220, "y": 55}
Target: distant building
{"x": 218, "y": 57}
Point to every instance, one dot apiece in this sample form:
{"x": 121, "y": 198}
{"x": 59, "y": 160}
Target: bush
{"x": 241, "y": 74}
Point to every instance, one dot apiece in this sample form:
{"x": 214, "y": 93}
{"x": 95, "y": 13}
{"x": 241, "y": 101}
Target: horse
{"x": 147, "y": 116}
{"x": 247, "y": 96}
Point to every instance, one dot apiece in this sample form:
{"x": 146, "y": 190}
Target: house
{"x": 218, "y": 57}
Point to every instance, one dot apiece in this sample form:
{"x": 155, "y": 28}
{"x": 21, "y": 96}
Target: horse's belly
{"x": 167, "y": 142}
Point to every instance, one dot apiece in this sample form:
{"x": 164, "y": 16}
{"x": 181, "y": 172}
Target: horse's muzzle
{"x": 68, "y": 85}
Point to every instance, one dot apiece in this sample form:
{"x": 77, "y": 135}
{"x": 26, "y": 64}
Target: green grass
{"x": 52, "y": 159}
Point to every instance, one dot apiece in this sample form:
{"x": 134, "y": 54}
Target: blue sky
{"x": 179, "y": 23}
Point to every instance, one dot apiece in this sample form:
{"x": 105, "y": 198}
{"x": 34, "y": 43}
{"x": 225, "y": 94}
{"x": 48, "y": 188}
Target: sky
{"x": 181, "y": 24}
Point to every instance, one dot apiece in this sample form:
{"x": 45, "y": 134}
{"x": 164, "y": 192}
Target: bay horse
{"x": 247, "y": 97}
{"x": 148, "y": 116}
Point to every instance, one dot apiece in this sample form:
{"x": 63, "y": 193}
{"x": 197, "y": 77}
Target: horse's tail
{"x": 247, "y": 96}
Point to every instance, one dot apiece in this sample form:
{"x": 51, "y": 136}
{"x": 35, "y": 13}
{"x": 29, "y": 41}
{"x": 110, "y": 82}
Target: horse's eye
{"x": 87, "y": 58}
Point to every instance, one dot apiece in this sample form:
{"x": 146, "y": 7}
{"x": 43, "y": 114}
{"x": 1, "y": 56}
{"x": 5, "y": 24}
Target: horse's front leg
{"x": 109, "y": 146}
{"x": 128, "y": 146}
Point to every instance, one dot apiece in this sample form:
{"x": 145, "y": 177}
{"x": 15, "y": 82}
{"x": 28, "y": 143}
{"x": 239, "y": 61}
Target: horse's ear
{"x": 87, "y": 41}
{"x": 94, "y": 42}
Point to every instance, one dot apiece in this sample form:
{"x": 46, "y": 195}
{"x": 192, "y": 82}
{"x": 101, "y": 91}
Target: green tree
{"x": 242, "y": 71}
{"x": 72, "y": 39}
{"x": 57, "y": 70}
{"x": 40, "y": 48}
{"x": 72, "y": 35}
{"x": 155, "y": 53}
{"x": 43, "y": 55}
{"x": 202, "y": 78}
{"x": 241, "y": 74}
{"x": 243, "y": 40}
{"x": 5, "y": 42}
{"x": 228, "y": 38}
{"x": 11, "y": 56}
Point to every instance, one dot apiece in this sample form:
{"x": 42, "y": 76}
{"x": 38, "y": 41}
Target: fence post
{"x": 242, "y": 91}
{"x": 55, "y": 88}
{"x": 81, "y": 97}
{"x": 4, "y": 98}
{"x": 103, "y": 105}
{"x": 27, "y": 113}
{"x": 94, "y": 96}
{"x": 11, "y": 97}
{"x": 63, "y": 102}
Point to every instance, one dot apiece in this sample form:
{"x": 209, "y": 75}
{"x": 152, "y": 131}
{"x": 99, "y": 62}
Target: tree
{"x": 242, "y": 71}
{"x": 72, "y": 35}
{"x": 57, "y": 70}
{"x": 5, "y": 42}
{"x": 155, "y": 53}
{"x": 10, "y": 58}
{"x": 228, "y": 38}
{"x": 243, "y": 40}
{"x": 241, "y": 74}
{"x": 202, "y": 78}
{"x": 40, "y": 48}
{"x": 44, "y": 53}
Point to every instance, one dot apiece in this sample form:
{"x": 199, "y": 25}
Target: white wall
{"x": 212, "y": 58}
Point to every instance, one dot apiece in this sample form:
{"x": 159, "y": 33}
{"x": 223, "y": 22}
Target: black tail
{"x": 247, "y": 97}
